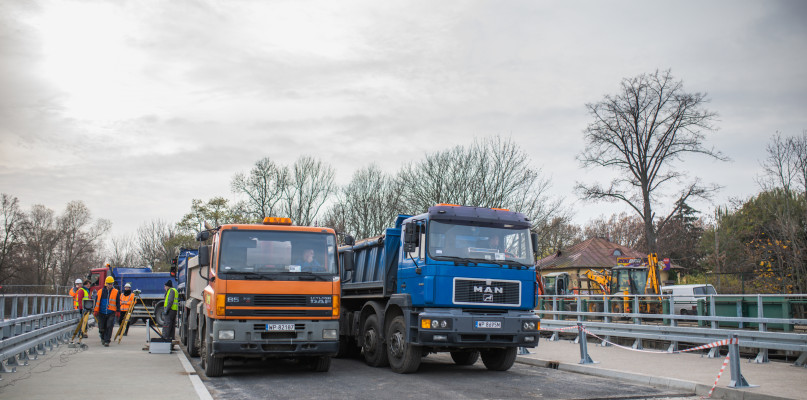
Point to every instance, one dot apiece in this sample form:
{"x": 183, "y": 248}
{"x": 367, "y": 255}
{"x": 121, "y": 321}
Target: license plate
{"x": 489, "y": 324}
{"x": 279, "y": 327}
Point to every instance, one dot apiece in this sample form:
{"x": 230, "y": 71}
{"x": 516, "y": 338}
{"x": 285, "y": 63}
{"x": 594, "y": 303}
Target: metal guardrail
{"x": 598, "y": 314}
{"x": 31, "y": 324}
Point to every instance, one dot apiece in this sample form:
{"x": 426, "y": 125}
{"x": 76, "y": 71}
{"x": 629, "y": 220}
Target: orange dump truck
{"x": 262, "y": 291}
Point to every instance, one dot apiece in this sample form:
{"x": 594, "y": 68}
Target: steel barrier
{"x": 32, "y": 324}
{"x": 630, "y": 316}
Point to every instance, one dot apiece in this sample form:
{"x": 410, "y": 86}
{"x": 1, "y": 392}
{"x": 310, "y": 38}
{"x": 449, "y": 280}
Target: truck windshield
{"x": 270, "y": 253}
{"x": 479, "y": 244}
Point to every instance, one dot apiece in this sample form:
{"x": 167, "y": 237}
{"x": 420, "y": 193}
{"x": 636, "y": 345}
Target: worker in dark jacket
{"x": 107, "y": 304}
{"x": 170, "y": 308}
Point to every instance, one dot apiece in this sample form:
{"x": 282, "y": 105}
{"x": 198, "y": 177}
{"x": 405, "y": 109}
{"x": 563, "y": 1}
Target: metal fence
{"x": 761, "y": 322}
{"x": 31, "y": 324}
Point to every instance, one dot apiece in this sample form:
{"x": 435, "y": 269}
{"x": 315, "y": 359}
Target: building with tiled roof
{"x": 596, "y": 253}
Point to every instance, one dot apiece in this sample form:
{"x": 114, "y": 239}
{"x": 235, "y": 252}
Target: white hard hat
{"x": 78, "y": 280}
{"x": 127, "y": 285}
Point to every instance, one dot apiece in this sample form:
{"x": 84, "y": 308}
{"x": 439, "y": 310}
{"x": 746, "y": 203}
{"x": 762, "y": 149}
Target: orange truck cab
{"x": 270, "y": 291}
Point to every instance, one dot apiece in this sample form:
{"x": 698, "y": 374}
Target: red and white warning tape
{"x": 719, "y": 374}
{"x": 568, "y": 328}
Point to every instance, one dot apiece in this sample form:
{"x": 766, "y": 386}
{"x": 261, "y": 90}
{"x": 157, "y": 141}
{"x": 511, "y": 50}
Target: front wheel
{"x": 214, "y": 366}
{"x": 374, "y": 353}
{"x": 499, "y": 359}
{"x": 404, "y": 357}
{"x": 465, "y": 357}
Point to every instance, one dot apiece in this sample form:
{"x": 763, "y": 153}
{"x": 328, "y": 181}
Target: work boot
{"x": 106, "y": 344}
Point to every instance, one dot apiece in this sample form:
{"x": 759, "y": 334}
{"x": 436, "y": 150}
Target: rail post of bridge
{"x": 581, "y": 338}
{"x": 737, "y": 379}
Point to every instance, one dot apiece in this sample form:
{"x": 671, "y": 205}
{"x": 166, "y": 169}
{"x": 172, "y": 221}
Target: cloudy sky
{"x": 137, "y": 107}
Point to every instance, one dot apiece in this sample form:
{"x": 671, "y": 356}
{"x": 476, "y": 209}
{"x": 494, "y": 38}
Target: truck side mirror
{"x": 347, "y": 261}
{"x": 534, "y": 240}
{"x": 202, "y": 236}
{"x": 410, "y": 237}
{"x": 204, "y": 256}
{"x": 349, "y": 241}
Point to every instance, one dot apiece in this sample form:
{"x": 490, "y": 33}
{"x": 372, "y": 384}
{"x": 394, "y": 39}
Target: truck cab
{"x": 272, "y": 291}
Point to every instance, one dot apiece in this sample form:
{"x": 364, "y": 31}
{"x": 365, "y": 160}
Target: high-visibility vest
{"x": 81, "y": 295}
{"x": 126, "y": 301}
{"x": 73, "y": 292}
{"x": 111, "y": 306}
{"x": 175, "y": 304}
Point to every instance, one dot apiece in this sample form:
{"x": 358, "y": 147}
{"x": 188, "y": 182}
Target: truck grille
{"x": 280, "y": 300}
{"x": 487, "y": 292}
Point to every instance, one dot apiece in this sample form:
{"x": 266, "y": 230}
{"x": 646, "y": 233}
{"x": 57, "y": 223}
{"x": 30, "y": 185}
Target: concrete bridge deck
{"x": 127, "y": 371}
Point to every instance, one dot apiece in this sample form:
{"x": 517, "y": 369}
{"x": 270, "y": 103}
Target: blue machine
{"x": 456, "y": 279}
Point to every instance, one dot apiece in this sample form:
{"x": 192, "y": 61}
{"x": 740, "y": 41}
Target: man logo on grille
{"x": 488, "y": 298}
{"x": 488, "y": 289}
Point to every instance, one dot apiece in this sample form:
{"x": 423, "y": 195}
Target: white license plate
{"x": 489, "y": 324}
{"x": 279, "y": 327}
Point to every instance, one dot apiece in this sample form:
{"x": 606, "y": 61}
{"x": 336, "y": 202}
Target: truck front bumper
{"x": 477, "y": 330}
{"x": 252, "y": 339}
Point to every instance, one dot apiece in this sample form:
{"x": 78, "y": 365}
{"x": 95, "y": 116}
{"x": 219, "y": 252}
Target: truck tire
{"x": 193, "y": 343}
{"x": 200, "y": 340}
{"x": 214, "y": 366}
{"x": 183, "y": 329}
{"x": 320, "y": 364}
{"x": 403, "y": 356}
{"x": 158, "y": 315}
{"x": 375, "y": 355}
{"x": 465, "y": 357}
{"x": 499, "y": 359}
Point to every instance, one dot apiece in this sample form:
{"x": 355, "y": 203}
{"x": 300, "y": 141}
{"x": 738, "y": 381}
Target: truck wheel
{"x": 499, "y": 359}
{"x": 214, "y": 366}
{"x": 375, "y": 355}
{"x": 465, "y": 357}
{"x": 158, "y": 315}
{"x": 320, "y": 364}
{"x": 183, "y": 333}
{"x": 193, "y": 343}
{"x": 404, "y": 357}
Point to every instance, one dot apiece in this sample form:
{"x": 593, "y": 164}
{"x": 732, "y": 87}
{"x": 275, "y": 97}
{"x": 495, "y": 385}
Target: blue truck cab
{"x": 455, "y": 279}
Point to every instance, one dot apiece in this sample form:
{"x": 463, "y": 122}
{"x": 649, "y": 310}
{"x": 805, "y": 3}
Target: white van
{"x": 686, "y": 296}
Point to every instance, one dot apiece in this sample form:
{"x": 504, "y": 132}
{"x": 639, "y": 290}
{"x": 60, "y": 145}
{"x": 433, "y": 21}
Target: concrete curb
{"x": 657, "y": 381}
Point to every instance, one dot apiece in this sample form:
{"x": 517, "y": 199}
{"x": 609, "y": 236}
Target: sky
{"x": 138, "y": 107}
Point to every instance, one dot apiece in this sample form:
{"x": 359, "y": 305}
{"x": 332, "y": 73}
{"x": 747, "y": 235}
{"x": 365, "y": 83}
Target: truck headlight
{"x": 528, "y": 326}
{"x": 226, "y": 335}
{"x": 330, "y": 334}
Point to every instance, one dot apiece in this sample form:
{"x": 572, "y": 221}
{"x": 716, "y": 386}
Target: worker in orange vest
{"x": 73, "y": 291}
{"x": 126, "y": 301}
{"x": 107, "y": 304}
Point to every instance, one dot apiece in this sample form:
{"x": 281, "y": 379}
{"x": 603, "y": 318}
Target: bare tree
{"x": 622, "y": 229}
{"x": 263, "y": 188}
{"x": 40, "y": 236}
{"x": 79, "y": 243}
{"x": 9, "y": 238}
{"x": 122, "y": 252}
{"x": 781, "y": 164}
{"x": 493, "y": 172}
{"x": 154, "y": 244}
{"x": 641, "y": 132}
{"x": 310, "y": 184}
{"x": 556, "y": 234}
{"x": 366, "y": 205}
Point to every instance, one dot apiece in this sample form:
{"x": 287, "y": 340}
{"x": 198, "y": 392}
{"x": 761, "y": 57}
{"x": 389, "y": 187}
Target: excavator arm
{"x": 602, "y": 278}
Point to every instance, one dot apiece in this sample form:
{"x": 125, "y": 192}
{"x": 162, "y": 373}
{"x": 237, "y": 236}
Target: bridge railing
{"x": 31, "y": 324}
{"x": 762, "y": 322}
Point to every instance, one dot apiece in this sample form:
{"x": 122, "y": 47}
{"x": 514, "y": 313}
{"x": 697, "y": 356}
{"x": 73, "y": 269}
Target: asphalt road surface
{"x": 438, "y": 378}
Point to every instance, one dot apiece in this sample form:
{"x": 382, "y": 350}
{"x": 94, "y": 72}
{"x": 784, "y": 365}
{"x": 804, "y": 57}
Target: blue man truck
{"x": 455, "y": 279}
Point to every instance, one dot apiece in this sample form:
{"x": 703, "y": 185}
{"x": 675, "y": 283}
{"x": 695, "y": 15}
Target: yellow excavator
{"x": 630, "y": 280}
